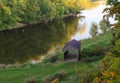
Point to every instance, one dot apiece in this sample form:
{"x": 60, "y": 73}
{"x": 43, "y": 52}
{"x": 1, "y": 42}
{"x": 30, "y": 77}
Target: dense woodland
{"x": 32, "y": 11}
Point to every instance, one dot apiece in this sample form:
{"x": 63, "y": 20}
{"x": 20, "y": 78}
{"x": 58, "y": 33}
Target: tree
{"x": 32, "y": 11}
{"x": 114, "y": 10}
{"x": 104, "y": 25}
{"x": 94, "y": 29}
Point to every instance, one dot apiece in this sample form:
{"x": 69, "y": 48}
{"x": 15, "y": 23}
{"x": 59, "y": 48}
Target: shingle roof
{"x": 73, "y": 43}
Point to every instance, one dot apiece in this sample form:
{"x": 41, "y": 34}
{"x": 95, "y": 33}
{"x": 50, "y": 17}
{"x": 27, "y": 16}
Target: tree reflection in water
{"x": 20, "y": 45}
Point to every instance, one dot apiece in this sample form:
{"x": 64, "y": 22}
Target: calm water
{"x": 31, "y": 42}
{"x": 93, "y": 13}
{"x": 20, "y": 45}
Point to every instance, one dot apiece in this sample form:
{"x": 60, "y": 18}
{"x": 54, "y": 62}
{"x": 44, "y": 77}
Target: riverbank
{"x": 22, "y": 13}
{"x": 41, "y": 71}
{"x": 22, "y": 25}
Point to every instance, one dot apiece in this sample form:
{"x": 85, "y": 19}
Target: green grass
{"x": 76, "y": 71}
{"x": 38, "y": 71}
{"x": 102, "y": 40}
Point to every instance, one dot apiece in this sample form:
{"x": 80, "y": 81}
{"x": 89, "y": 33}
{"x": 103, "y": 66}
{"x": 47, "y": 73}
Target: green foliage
{"x": 7, "y": 18}
{"x": 94, "y": 54}
{"x": 32, "y": 11}
{"x": 104, "y": 25}
{"x": 112, "y": 2}
{"x": 94, "y": 48}
{"x": 108, "y": 70}
{"x": 95, "y": 51}
{"x": 114, "y": 10}
{"x": 93, "y": 29}
{"x": 57, "y": 56}
{"x": 116, "y": 48}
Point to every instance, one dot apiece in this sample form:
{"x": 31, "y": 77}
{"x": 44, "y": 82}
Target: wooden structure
{"x": 72, "y": 51}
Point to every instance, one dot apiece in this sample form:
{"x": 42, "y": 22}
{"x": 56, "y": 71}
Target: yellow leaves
{"x": 55, "y": 81}
{"x": 70, "y": 3}
{"x": 7, "y": 10}
{"x": 108, "y": 75}
{"x": 112, "y": 74}
{"x": 21, "y": 1}
{"x": 96, "y": 80}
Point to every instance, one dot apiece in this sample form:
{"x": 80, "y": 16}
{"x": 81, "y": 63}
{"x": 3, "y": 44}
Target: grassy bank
{"x": 102, "y": 40}
{"x": 76, "y": 72}
{"x": 38, "y": 71}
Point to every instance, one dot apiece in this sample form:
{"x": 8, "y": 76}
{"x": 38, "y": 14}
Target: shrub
{"x": 104, "y": 25}
{"x": 93, "y": 58}
{"x": 116, "y": 42}
{"x": 95, "y": 51}
{"x": 31, "y": 80}
{"x": 108, "y": 70}
{"x": 47, "y": 79}
{"x": 55, "y": 81}
{"x": 61, "y": 75}
{"x": 94, "y": 29}
{"x": 56, "y": 78}
{"x": 57, "y": 56}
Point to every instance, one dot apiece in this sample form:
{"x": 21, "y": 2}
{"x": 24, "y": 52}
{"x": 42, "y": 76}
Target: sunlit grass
{"x": 102, "y": 40}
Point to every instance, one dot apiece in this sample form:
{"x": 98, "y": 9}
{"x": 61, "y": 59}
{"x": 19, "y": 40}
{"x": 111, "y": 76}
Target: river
{"x": 34, "y": 41}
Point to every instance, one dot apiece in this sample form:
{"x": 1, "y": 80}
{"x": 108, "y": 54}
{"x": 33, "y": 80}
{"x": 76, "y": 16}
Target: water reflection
{"x": 90, "y": 4}
{"x": 93, "y": 13}
{"x": 22, "y": 44}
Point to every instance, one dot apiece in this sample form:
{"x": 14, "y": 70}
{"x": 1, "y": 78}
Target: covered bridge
{"x": 72, "y": 51}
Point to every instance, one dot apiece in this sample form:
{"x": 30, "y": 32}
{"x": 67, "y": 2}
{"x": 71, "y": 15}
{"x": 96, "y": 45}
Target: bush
{"x": 95, "y": 51}
{"x": 61, "y": 75}
{"x": 56, "y": 78}
{"x": 94, "y": 29}
{"x": 55, "y": 81}
{"x": 108, "y": 70}
{"x": 57, "y": 56}
{"x": 104, "y": 25}
{"x": 93, "y": 58}
{"x": 116, "y": 42}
